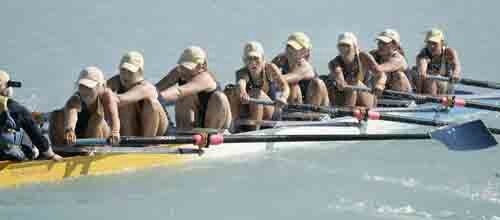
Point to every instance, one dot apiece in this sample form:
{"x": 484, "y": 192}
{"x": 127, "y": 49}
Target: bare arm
{"x": 110, "y": 104}
{"x": 396, "y": 63}
{"x": 337, "y": 75}
{"x": 71, "y": 109}
{"x": 455, "y": 62}
{"x": 199, "y": 83}
{"x": 139, "y": 92}
{"x": 278, "y": 77}
{"x": 379, "y": 76}
{"x": 303, "y": 71}
{"x": 169, "y": 80}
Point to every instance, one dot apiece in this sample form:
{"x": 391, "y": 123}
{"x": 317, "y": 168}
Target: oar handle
{"x": 439, "y": 78}
{"x": 358, "y": 88}
{"x": 262, "y": 101}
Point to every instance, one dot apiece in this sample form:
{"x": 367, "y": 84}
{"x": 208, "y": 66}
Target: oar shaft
{"x": 412, "y": 120}
{"x": 477, "y": 83}
{"x": 315, "y": 138}
{"x": 483, "y": 106}
{"x": 127, "y": 140}
{"x": 468, "y": 82}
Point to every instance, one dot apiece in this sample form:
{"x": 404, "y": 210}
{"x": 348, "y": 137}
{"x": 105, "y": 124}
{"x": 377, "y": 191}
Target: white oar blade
{"x": 473, "y": 135}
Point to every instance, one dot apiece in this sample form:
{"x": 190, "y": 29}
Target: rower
{"x": 353, "y": 67}
{"x": 391, "y": 60}
{"x": 199, "y": 101}
{"x": 13, "y": 118}
{"x": 91, "y": 112}
{"x": 295, "y": 64}
{"x": 436, "y": 59}
{"x": 141, "y": 114}
{"x": 258, "y": 79}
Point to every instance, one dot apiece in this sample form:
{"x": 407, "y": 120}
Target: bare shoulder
{"x": 451, "y": 52}
{"x": 272, "y": 68}
{"x": 280, "y": 60}
{"x": 74, "y": 102}
{"x": 113, "y": 83}
{"x": 335, "y": 62}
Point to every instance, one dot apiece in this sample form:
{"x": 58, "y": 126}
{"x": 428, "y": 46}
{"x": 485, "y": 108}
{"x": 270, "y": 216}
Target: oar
{"x": 468, "y": 82}
{"x": 446, "y": 101}
{"x": 357, "y": 113}
{"x": 196, "y": 139}
{"x": 128, "y": 150}
{"x": 278, "y": 124}
{"x": 471, "y": 135}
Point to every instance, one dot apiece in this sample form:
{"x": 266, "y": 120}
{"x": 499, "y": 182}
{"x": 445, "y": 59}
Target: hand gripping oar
{"x": 446, "y": 101}
{"x": 468, "y": 82}
{"x": 357, "y": 113}
{"x": 471, "y": 135}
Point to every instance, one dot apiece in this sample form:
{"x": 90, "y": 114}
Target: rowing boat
{"x": 16, "y": 174}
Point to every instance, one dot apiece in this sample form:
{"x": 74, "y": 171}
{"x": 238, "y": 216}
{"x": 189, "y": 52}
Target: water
{"x": 46, "y": 44}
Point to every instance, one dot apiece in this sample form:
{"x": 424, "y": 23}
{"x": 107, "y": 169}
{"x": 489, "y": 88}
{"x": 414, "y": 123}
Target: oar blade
{"x": 473, "y": 135}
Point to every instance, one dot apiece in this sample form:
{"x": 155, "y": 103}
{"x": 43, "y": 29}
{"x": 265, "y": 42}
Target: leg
{"x": 97, "y": 128}
{"x": 366, "y": 99}
{"x": 185, "y": 112}
{"x": 430, "y": 87}
{"x": 153, "y": 118}
{"x": 317, "y": 93}
{"x": 56, "y": 127}
{"x": 218, "y": 112}
{"x": 233, "y": 95}
{"x": 129, "y": 123}
{"x": 295, "y": 96}
{"x": 442, "y": 87}
{"x": 400, "y": 82}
